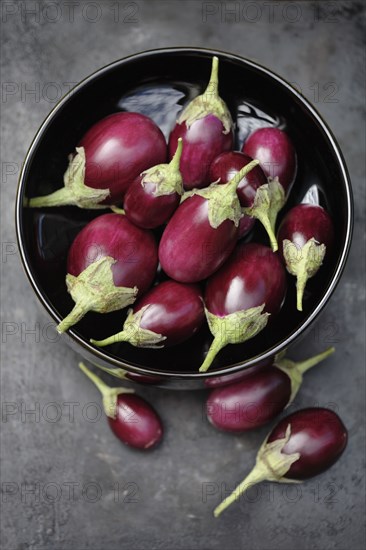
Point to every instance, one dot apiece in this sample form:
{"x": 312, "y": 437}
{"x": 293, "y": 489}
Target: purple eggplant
{"x": 224, "y": 167}
{"x": 277, "y": 156}
{"x": 246, "y": 224}
{"x": 168, "y": 314}
{"x": 227, "y": 165}
{"x": 108, "y": 158}
{"x": 203, "y": 231}
{"x": 240, "y": 297}
{"x": 155, "y": 194}
{"x": 207, "y": 130}
{"x": 302, "y": 445}
{"x": 261, "y": 396}
{"x": 129, "y": 416}
{"x": 109, "y": 263}
{"x": 305, "y": 235}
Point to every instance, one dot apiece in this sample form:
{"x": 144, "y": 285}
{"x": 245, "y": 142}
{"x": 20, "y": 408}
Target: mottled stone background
{"x": 90, "y": 492}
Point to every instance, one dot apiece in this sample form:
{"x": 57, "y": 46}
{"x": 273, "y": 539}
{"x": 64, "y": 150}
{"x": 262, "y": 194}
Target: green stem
{"x": 301, "y": 280}
{"x": 255, "y": 476}
{"x": 213, "y": 85}
{"x": 234, "y": 182}
{"x": 77, "y": 313}
{"x": 102, "y": 386}
{"x": 61, "y": 197}
{"x": 269, "y": 226}
{"x": 175, "y": 162}
{"x": 303, "y": 366}
{"x": 295, "y": 370}
{"x": 117, "y": 210}
{"x": 217, "y": 344}
{"x": 268, "y": 201}
{"x": 119, "y": 337}
{"x": 117, "y": 372}
{"x": 109, "y": 395}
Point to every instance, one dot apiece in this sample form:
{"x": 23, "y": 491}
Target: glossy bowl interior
{"x": 158, "y": 83}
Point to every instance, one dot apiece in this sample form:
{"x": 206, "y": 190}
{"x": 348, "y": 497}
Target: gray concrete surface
{"x": 68, "y": 484}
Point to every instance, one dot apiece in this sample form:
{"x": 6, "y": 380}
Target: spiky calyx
{"x": 74, "y": 192}
{"x": 94, "y": 290}
{"x": 167, "y": 178}
{"x": 268, "y": 201}
{"x": 209, "y": 103}
{"x": 271, "y": 465}
{"x": 223, "y": 202}
{"x": 134, "y": 334}
{"x": 303, "y": 262}
{"x": 295, "y": 370}
{"x": 234, "y": 328}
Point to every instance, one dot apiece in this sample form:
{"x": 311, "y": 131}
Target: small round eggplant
{"x": 168, "y": 314}
{"x": 302, "y": 445}
{"x": 203, "y": 231}
{"x": 240, "y": 296}
{"x": 261, "y": 396}
{"x": 305, "y": 235}
{"x": 207, "y": 130}
{"x": 129, "y": 416}
{"x": 277, "y": 156}
{"x": 154, "y": 195}
{"x": 109, "y": 263}
{"x": 108, "y": 158}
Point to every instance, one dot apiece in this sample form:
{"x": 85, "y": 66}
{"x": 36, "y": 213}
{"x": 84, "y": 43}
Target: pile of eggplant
{"x": 205, "y": 198}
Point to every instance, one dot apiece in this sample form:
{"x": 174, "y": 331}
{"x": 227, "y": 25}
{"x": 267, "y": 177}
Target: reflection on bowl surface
{"x": 158, "y": 84}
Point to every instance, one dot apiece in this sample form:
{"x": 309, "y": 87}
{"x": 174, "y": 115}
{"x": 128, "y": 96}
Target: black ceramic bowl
{"x": 158, "y": 83}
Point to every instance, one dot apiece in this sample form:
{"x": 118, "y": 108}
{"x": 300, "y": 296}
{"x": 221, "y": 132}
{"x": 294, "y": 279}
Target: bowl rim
{"x": 236, "y": 367}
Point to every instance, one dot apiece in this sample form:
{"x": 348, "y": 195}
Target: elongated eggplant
{"x": 203, "y": 231}
{"x": 260, "y": 396}
{"x": 168, "y": 314}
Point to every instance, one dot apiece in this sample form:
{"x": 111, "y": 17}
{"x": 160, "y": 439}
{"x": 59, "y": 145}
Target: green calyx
{"x": 74, "y": 192}
{"x": 94, "y": 290}
{"x": 271, "y": 465}
{"x": 209, "y": 103}
{"x": 234, "y": 328}
{"x": 296, "y": 370}
{"x": 166, "y": 177}
{"x": 269, "y": 200}
{"x": 109, "y": 395}
{"x": 303, "y": 262}
{"x": 134, "y": 334}
{"x": 223, "y": 202}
